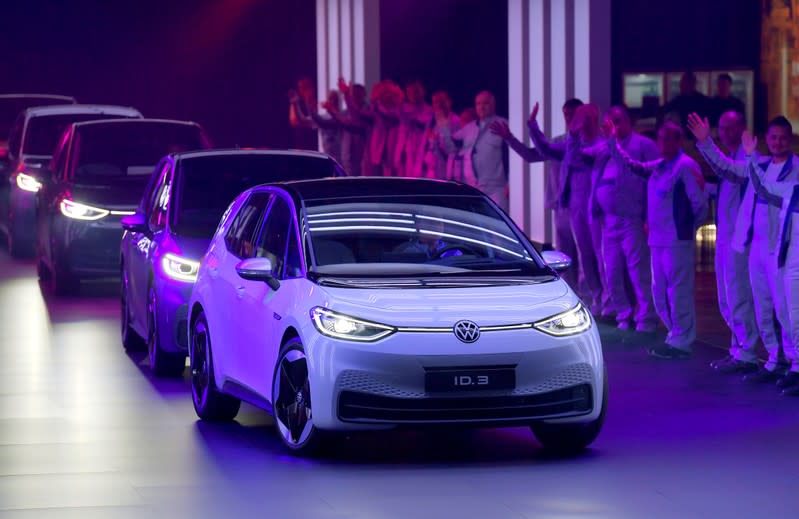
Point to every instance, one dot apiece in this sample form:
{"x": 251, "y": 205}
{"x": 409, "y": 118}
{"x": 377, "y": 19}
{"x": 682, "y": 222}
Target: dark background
{"x": 227, "y": 64}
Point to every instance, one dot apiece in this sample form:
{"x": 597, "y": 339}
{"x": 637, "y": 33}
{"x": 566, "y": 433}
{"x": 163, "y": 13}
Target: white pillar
{"x": 347, "y": 43}
{"x": 557, "y": 49}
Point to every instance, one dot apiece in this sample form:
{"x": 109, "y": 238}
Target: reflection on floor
{"x": 86, "y": 432}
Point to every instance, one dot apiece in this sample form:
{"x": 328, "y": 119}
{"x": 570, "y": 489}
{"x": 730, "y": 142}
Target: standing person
{"x": 564, "y": 240}
{"x": 619, "y": 195}
{"x": 732, "y": 267}
{"x": 757, "y": 230}
{"x": 724, "y": 101}
{"x": 355, "y": 131}
{"x": 675, "y": 206}
{"x": 305, "y": 137}
{"x": 329, "y": 129}
{"x": 573, "y": 196}
{"x": 484, "y": 164}
{"x": 432, "y": 157}
{"x": 415, "y": 118}
{"x": 688, "y": 101}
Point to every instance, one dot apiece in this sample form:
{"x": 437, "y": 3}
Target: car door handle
{"x": 240, "y": 291}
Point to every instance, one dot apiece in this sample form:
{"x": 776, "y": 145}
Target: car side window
{"x": 60, "y": 158}
{"x": 159, "y": 201}
{"x": 273, "y": 238}
{"x": 240, "y": 236}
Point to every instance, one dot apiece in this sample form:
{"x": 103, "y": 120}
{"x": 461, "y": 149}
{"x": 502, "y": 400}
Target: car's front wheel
{"x": 572, "y": 437}
{"x": 291, "y": 401}
{"x": 163, "y": 363}
{"x": 209, "y": 403}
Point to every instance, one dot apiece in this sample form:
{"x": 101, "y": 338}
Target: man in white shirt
{"x": 757, "y": 229}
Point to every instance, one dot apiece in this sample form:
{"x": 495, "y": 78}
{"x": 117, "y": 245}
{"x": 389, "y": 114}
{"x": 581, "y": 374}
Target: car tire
{"x": 291, "y": 402}
{"x": 573, "y": 437}
{"x": 131, "y": 340}
{"x": 210, "y": 404}
{"x": 162, "y": 363}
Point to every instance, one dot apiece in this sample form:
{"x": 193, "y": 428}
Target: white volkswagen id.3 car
{"x": 358, "y": 303}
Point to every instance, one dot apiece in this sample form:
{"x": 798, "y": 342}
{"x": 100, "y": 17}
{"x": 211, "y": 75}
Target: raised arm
{"x": 733, "y": 170}
{"x": 501, "y": 129}
{"x": 549, "y": 149}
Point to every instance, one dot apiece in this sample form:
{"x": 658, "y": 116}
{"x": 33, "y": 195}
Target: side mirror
{"x": 556, "y": 260}
{"x": 134, "y": 222}
{"x": 258, "y": 269}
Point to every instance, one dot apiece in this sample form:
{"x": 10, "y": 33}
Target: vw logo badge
{"x": 466, "y": 331}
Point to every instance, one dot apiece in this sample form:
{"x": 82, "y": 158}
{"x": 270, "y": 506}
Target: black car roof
{"x": 351, "y": 187}
{"x": 221, "y": 152}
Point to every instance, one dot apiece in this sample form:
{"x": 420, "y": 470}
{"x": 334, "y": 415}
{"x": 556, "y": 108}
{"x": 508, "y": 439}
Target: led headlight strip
{"x": 181, "y": 269}
{"x": 340, "y": 326}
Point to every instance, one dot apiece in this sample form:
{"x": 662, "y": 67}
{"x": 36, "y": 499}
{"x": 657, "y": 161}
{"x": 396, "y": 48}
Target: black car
{"x": 165, "y": 239}
{"x": 30, "y": 148}
{"x": 98, "y": 175}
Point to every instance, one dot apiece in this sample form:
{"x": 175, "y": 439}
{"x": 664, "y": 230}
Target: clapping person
{"x": 675, "y": 206}
{"x": 432, "y": 157}
{"x": 575, "y": 191}
{"x": 564, "y": 240}
{"x": 415, "y": 118}
{"x": 757, "y": 230}
{"x": 482, "y": 150}
{"x": 302, "y": 102}
{"x": 619, "y": 195}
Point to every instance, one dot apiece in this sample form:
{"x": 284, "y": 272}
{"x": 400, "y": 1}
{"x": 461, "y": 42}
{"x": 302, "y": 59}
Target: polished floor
{"x": 86, "y": 432}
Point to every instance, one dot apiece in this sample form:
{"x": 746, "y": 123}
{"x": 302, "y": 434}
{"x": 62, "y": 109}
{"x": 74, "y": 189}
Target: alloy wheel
{"x": 292, "y": 398}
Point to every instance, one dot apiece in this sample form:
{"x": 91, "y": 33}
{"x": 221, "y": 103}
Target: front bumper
{"x": 22, "y": 215}
{"x": 356, "y": 386}
{"x": 87, "y": 249}
{"x": 173, "y": 309}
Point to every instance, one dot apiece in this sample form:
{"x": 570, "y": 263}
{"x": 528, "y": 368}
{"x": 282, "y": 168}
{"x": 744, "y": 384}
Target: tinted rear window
{"x": 43, "y": 132}
{"x": 10, "y": 107}
{"x": 207, "y": 185}
{"x": 105, "y": 152}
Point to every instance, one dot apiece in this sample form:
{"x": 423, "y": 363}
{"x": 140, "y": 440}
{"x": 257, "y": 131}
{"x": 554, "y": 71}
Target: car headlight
{"x": 182, "y": 269}
{"x": 341, "y": 326}
{"x": 573, "y": 321}
{"x": 28, "y": 183}
{"x": 78, "y": 211}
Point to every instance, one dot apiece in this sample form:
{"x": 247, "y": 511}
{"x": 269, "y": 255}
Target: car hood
{"x": 124, "y": 195}
{"x": 487, "y": 305}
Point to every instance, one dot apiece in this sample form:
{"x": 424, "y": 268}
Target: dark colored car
{"x": 12, "y": 104}
{"x": 98, "y": 174}
{"x": 178, "y": 214}
{"x": 30, "y": 148}
{"x": 10, "y": 107}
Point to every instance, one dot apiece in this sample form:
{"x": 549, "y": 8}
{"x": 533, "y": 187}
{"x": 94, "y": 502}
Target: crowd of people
{"x": 626, "y": 208}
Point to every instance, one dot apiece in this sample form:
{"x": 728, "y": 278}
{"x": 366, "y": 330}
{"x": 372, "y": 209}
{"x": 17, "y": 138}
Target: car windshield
{"x": 416, "y": 236}
{"x": 105, "y": 153}
{"x": 43, "y": 132}
{"x": 207, "y": 185}
{"x": 10, "y": 107}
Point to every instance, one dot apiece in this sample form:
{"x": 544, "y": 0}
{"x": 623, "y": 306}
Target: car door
{"x": 257, "y": 313}
{"x": 52, "y": 188}
{"x": 228, "y": 287}
{"x": 142, "y": 245}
